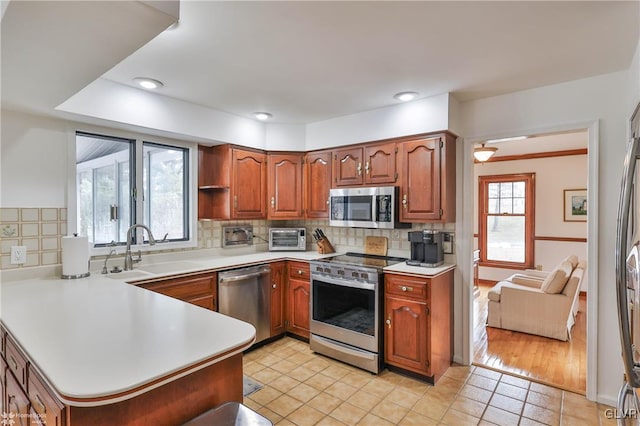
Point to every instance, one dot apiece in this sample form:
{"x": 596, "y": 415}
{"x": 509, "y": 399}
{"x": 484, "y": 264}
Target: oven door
{"x": 345, "y": 311}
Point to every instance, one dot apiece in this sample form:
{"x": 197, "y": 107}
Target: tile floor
{"x": 303, "y": 388}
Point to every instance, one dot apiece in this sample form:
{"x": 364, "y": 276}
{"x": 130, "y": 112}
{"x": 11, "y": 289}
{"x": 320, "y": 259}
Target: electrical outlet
{"x": 18, "y": 255}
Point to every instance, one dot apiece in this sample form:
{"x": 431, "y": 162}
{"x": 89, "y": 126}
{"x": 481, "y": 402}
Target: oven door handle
{"x": 343, "y": 283}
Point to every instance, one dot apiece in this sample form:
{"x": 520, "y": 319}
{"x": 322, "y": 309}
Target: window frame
{"x": 191, "y": 190}
{"x": 529, "y": 215}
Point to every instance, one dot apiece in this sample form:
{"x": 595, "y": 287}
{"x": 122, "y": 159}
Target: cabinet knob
{"x": 366, "y": 168}
{"x": 300, "y": 272}
{"x": 359, "y": 168}
{"x": 274, "y": 285}
{"x": 388, "y": 322}
{"x": 235, "y": 201}
{"x": 328, "y": 199}
{"x": 404, "y": 201}
{"x": 273, "y": 202}
{"x": 405, "y": 288}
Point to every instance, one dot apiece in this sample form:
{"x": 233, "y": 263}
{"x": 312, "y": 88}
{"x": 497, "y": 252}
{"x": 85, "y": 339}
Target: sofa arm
{"x": 536, "y": 273}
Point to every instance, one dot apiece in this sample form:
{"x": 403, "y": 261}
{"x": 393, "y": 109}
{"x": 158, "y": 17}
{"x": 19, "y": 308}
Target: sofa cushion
{"x": 573, "y": 259}
{"x": 556, "y": 280}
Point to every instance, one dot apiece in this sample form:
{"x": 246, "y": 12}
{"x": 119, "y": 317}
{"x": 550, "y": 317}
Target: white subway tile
{"x": 49, "y": 215}
{"x": 29, "y": 215}
{"x": 9, "y": 215}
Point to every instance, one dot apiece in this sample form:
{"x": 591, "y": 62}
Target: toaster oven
{"x": 287, "y": 239}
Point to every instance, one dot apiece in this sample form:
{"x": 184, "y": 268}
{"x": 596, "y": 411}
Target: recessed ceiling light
{"x": 262, "y": 115}
{"x": 148, "y": 83}
{"x": 405, "y": 96}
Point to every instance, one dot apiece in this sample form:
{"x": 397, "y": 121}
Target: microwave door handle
{"x": 621, "y": 261}
{"x": 375, "y": 208}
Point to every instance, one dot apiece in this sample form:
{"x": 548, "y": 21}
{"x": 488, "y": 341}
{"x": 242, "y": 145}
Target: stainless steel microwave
{"x": 365, "y": 207}
{"x": 287, "y": 239}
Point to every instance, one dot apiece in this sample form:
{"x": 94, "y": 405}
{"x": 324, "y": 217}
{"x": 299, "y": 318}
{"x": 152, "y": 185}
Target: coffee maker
{"x": 426, "y": 248}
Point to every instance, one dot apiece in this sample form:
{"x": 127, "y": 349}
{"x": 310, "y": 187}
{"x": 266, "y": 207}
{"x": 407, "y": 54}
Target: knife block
{"x": 324, "y": 246}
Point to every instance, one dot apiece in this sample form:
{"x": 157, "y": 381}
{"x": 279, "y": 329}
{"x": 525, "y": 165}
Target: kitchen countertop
{"x": 96, "y": 337}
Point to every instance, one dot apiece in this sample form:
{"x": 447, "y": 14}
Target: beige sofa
{"x": 541, "y": 303}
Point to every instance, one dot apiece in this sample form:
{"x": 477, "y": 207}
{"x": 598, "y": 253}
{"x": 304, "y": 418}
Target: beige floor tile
{"x": 430, "y": 407}
{"x": 515, "y": 381}
{"x": 468, "y": 406}
{"x": 300, "y": 358}
{"x": 544, "y": 389}
{"x": 356, "y": 379}
{"x": 267, "y": 375}
{"x": 459, "y": 372}
{"x": 284, "y": 366}
{"x": 284, "y": 405}
{"x": 265, "y": 395}
{"x": 252, "y": 367}
{"x": 482, "y": 382}
{"x": 475, "y": 393}
{"x": 445, "y": 396}
{"x": 329, "y": 421}
{"x": 284, "y": 383}
{"x": 578, "y": 406}
{"x": 251, "y": 403}
{"x": 547, "y": 401}
{"x": 415, "y": 419}
{"x": 448, "y": 384}
{"x": 264, "y": 411}
{"x": 320, "y": 381}
{"x": 348, "y": 413}
{"x": 340, "y": 390}
{"x": 506, "y": 403}
{"x": 412, "y": 385}
{"x": 284, "y": 352}
{"x": 402, "y": 397}
{"x": 268, "y": 359}
{"x": 335, "y": 371}
{"x": 285, "y": 422}
{"x": 528, "y": 422}
{"x": 364, "y": 400}
{"x": 511, "y": 391}
{"x": 607, "y": 415}
{"x": 325, "y": 402}
{"x": 301, "y": 373}
{"x": 378, "y": 387}
{"x": 500, "y": 417}
{"x": 578, "y": 421}
{"x": 541, "y": 414}
{"x": 317, "y": 364}
{"x": 390, "y": 377}
{"x": 372, "y": 420}
{"x": 390, "y": 411}
{"x": 303, "y": 392}
{"x": 306, "y": 416}
{"x": 486, "y": 423}
{"x": 456, "y": 418}
{"x": 485, "y": 372}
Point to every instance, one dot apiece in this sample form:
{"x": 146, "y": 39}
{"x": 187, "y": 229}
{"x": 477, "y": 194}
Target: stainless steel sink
{"x": 161, "y": 268}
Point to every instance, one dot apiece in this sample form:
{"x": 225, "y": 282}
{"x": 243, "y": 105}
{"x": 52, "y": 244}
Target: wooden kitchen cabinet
{"x": 317, "y": 182}
{"x": 44, "y": 406}
{"x": 417, "y": 329}
{"x": 427, "y": 179}
{"x": 298, "y": 297}
{"x": 284, "y": 194}
{"x": 3, "y": 385}
{"x": 371, "y": 164}
{"x": 198, "y": 289}
{"x": 278, "y": 280}
{"x": 232, "y": 183}
{"x": 17, "y": 401}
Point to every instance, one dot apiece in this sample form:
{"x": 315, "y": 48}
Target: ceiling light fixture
{"x": 483, "y": 153}
{"x": 513, "y": 138}
{"x": 405, "y": 96}
{"x": 148, "y": 83}
{"x": 262, "y": 116}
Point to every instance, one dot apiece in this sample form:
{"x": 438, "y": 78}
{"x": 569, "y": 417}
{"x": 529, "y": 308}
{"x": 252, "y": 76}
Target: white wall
{"x": 553, "y": 175}
{"x": 285, "y": 137}
{"x": 634, "y": 79}
{"x": 565, "y": 106}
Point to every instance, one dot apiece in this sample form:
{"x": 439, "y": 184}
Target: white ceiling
{"x": 309, "y": 61}
{"x": 543, "y": 143}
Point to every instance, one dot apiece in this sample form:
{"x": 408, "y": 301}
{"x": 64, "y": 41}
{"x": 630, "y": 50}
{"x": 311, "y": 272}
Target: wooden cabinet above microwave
{"x": 371, "y": 164}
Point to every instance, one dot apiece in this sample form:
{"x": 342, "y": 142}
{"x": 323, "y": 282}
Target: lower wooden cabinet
{"x": 417, "y": 327}
{"x": 278, "y": 281}
{"x": 44, "y": 406}
{"x": 17, "y": 402}
{"x": 298, "y": 296}
{"x": 3, "y": 385}
{"x": 198, "y": 289}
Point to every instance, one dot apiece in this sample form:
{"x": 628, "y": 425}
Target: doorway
{"x": 559, "y": 161}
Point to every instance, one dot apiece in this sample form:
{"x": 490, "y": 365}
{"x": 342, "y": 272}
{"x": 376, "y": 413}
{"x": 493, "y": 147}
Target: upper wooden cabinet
{"x": 284, "y": 194}
{"x": 371, "y": 164}
{"x": 232, "y": 183}
{"x": 427, "y": 179}
{"x": 317, "y": 182}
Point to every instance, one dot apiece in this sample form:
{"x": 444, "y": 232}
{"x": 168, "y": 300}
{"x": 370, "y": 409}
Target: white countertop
{"x": 403, "y": 268}
{"x": 99, "y": 336}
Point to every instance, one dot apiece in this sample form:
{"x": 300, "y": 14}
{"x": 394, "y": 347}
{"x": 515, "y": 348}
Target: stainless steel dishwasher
{"x": 245, "y": 294}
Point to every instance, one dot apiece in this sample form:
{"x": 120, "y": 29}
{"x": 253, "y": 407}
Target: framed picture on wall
{"x": 575, "y": 205}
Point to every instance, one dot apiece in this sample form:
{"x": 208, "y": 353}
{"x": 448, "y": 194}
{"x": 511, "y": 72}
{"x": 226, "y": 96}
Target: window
{"x": 110, "y": 170}
{"x": 506, "y": 220}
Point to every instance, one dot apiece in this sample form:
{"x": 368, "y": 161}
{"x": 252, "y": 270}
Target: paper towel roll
{"x": 75, "y": 256}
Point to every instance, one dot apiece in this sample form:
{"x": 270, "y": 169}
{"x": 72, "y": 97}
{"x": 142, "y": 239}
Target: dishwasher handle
{"x": 233, "y": 278}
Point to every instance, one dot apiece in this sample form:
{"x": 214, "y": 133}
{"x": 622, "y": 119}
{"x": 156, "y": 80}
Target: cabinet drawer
{"x": 184, "y": 288}
{"x": 299, "y": 270}
{"x": 45, "y": 406}
{"x": 16, "y": 362}
{"x": 415, "y": 288}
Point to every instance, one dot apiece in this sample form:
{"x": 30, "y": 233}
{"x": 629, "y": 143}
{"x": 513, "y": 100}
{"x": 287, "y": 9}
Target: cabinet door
{"x": 3, "y": 385}
{"x": 17, "y": 402}
{"x": 420, "y": 186}
{"x": 380, "y": 164}
{"x": 199, "y": 289}
{"x": 348, "y": 167}
{"x": 406, "y": 334}
{"x": 298, "y": 307}
{"x": 249, "y": 185}
{"x": 277, "y": 298}
{"x": 44, "y": 406}
{"x": 317, "y": 184}
{"x": 285, "y": 186}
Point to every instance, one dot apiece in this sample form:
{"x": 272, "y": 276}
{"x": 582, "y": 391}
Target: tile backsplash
{"x": 39, "y": 229}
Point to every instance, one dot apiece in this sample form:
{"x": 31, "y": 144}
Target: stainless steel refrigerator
{"x": 628, "y": 279}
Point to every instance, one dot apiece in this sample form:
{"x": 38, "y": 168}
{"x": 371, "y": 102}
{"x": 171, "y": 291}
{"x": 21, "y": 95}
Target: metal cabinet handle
{"x": 405, "y": 288}
{"x": 328, "y": 199}
{"x": 235, "y": 201}
{"x": 404, "y": 201}
{"x": 388, "y": 322}
{"x": 366, "y": 168}
{"x": 359, "y": 168}
{"x": 273, "y": 202}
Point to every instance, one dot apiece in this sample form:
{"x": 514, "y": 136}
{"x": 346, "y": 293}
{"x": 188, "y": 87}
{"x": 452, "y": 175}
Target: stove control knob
{"x": 340, "y": 272}
{"x": 327, "y": 270}
{"x": 364, "y": 275}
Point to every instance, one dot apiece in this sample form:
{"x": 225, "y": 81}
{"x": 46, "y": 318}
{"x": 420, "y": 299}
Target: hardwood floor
{"x": 540, "y": 359}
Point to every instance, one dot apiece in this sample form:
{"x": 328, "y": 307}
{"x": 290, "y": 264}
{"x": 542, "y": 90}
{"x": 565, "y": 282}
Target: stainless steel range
{"x": 346, "y": 303}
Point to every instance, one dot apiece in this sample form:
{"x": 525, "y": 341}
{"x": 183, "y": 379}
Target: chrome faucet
{"x": 128, "y": 260}
{"x": 104, "y": 267}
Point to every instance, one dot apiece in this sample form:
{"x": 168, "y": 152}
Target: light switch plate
{"x": 18, "y": 255}
{"x": 447, "y": 242}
